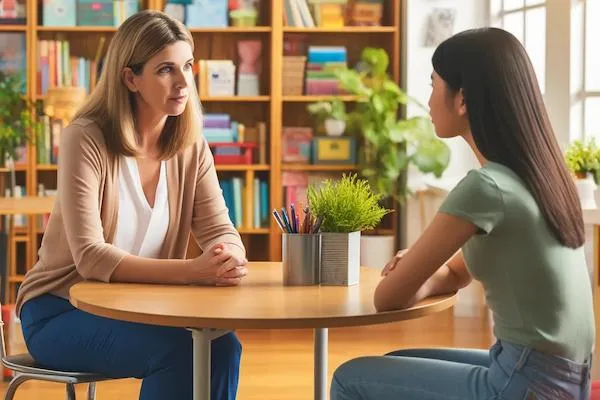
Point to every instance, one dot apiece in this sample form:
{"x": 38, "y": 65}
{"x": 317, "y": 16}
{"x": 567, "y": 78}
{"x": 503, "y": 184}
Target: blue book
{"x": 207, "y": 13}
{"x": 227, "y": 188}
{"x": 59, "y": 13}
{"x": 264, "y": 203}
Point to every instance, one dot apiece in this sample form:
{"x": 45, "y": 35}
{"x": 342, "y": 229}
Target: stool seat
{"x": 24, "y": 363}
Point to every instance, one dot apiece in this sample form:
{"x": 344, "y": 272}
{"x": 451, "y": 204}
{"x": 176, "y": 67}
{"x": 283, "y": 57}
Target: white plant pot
{"x": 334, "y": 127}
{"x": 340, "y": 259}
{"x": 586, "y": 188}
{"x": 376, "y": 251}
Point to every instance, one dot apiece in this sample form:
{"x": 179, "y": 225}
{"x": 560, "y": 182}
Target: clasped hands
{"x": 221, "y": 265}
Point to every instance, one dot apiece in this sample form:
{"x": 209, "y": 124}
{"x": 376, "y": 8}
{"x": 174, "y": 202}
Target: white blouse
{"x": 141, "y": 229}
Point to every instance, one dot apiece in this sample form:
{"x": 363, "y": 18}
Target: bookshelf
{"x": 271, "y": 106}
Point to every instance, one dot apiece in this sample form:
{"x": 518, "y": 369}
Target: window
{"x": 591, "y": 68}
{"x": 526, "y": 19}
{"x": 585, "y": 71}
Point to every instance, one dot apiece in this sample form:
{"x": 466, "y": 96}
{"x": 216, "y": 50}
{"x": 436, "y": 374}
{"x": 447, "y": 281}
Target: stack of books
{"x": 234, "y": 199}
{"x": 88, "y": 12}
{"x": 58, "y": 68}
{"x": 233, "y": 142}
{"x": 321, "y": 64}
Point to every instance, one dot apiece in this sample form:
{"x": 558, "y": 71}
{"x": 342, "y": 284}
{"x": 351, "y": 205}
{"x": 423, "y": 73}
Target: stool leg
{"x": 13, "y": 385}
{"x": 92, "y": 391}
{"x": 70, "y": 391}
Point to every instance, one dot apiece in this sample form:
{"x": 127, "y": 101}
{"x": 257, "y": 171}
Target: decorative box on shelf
{"x": 296, "y": 144}
{"x": 233, "y": 153}
{"x": 334, "y": 150}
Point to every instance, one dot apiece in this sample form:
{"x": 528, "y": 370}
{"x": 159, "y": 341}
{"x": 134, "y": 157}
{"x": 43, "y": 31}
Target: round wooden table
{"x": 260, "y": 302}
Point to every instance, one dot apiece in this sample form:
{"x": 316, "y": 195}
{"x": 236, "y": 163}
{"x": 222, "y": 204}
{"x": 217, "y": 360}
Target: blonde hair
{"x": 111, "y": 104}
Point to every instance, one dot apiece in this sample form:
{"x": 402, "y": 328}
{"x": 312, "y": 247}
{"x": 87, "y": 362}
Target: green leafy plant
{"x": 583, "y": 158}
{"x": 323, "y": 110}
{"x": 346, "y": 205}
{"x": 15, "y": 115}
{"x": 390, "y": 144}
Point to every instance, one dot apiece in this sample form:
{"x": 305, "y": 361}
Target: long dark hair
{"x": 509, "y": 122}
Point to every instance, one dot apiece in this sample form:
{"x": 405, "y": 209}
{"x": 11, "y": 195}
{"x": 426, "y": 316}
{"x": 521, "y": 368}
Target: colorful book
{"x": 59, "y": 13}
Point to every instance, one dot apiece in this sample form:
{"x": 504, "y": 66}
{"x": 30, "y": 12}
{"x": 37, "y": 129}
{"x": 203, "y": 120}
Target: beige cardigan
{"x": 77, "y": 242}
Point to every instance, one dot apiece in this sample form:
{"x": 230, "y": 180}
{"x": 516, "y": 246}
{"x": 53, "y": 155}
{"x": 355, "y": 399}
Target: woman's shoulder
{"x": 84, "y": 129}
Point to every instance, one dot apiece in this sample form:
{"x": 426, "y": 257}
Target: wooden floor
{"x": 278, "y": 365}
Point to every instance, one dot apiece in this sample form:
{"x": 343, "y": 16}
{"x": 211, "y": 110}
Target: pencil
{"x": 278, "y": 220}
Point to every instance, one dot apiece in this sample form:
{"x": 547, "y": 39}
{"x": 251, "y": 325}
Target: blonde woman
{"x": 135, "y": 178}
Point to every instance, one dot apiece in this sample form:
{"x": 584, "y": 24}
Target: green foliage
{"x": 322, "y": 110}
{"x": 346, "y": 205}
{"x": 583, "y": 158}
{"x": 391, "y": 144}
{"x": 15, "y": 115}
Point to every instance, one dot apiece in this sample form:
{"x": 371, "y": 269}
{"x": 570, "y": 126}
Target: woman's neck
{"x": 468, "y": 136}
{"x": 149, "y": 127}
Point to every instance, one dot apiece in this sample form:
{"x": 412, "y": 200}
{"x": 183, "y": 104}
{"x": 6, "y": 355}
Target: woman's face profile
{"x": 165, "y": 82}
{"x": 447, "y": 109}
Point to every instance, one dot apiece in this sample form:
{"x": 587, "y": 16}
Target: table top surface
{"x": 260, "y": 302}
{"x": 26, "y": 205}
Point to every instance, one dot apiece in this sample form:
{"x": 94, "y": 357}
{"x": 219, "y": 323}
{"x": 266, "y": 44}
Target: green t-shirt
{"x": 538, "y": 290}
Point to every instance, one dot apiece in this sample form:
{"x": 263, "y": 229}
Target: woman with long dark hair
{"x": 515, "y": 224}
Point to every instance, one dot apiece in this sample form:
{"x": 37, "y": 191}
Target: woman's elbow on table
{"x": 388, "y": 298}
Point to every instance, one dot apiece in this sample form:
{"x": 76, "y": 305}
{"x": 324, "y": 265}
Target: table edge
{"x": 444, "y": 302}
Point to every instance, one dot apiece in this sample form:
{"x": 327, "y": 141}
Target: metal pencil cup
{"x": 301, "y": 259}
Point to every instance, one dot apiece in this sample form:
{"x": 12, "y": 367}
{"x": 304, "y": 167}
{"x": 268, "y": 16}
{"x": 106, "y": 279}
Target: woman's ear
{"x": 460, "y": 104}
{"x": 128, "y": 79}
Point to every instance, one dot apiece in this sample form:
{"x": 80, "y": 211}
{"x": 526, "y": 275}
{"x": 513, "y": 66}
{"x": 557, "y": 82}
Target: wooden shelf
{"x": 47, "y": 167}
{"x": 16, "y": 278}
{"x": 315, "y": 98}
{"x": 233, "y": 29}
{"x": 245, "y": 99}
{"x": 345, "y": 29}
{"x": 18, "y": 167}
{"x": 318, "y": 167}
{"x": 83, "y": 29}
{"x": 22, "y": 230}
{"x": 242, "y": 167}
{"x": 253, "y": 231}
{"x": 13, "y": 28}
{"x": 21, "y": 239}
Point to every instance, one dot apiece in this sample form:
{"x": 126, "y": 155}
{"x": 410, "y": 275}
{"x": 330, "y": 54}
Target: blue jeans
{"x": 60, "y": 336}
{"x": 506, "y": 371}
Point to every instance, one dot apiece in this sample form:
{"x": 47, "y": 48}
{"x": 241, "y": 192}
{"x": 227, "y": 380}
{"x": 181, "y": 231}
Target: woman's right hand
{"x": 221, "y": 265}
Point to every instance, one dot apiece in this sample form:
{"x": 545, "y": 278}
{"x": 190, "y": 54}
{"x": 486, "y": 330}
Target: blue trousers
{"x": 505, "y": 372}
{"x": 60, "y": 336}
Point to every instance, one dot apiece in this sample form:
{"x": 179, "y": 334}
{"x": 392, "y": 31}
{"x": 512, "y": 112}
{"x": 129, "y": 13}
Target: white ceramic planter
{"x": 586, "y": 188}
{"x": 340, "y": 259}
{"x": 335, "y": 127}
{"x": 376, "y": 251}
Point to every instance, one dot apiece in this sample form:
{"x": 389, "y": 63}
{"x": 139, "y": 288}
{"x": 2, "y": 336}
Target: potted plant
{"x": 346, "y": 207}
{"x": 15, "y": 119}
{"x": 390, "y": 144}
{"x": 331, "y": 115}
{"x": 583, "y": 160}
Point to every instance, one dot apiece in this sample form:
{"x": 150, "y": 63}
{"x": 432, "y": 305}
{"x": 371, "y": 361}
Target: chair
{"x": 27, "y": 369}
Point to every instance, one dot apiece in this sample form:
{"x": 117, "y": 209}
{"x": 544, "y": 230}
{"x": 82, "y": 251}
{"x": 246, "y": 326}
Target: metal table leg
{"x": 201, "y": 339}
{"x": 321, "y": 363}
